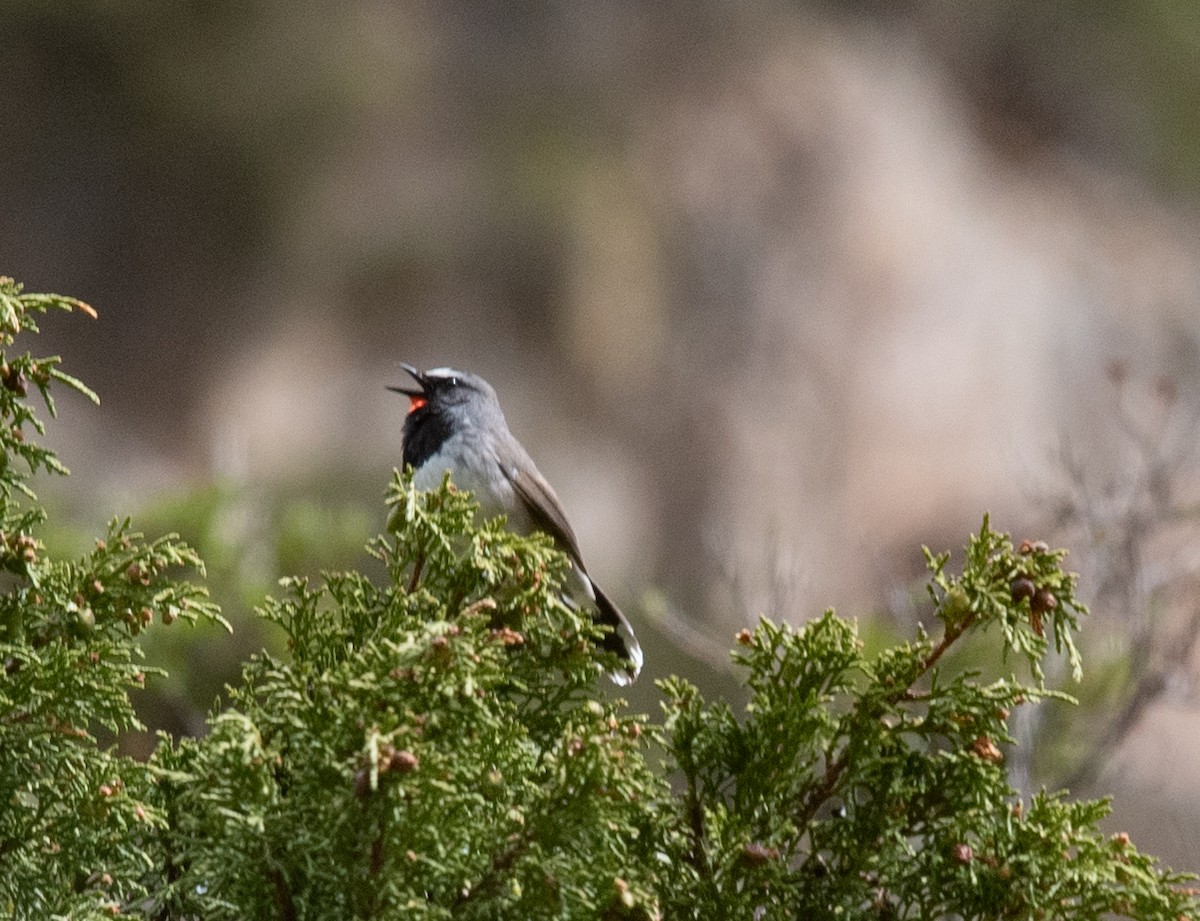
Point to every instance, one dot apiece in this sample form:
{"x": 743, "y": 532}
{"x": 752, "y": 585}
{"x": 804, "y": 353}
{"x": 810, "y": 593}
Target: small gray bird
{"x": 455, "y": 424}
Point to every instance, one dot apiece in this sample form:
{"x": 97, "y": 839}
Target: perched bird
{"x": 455, "y": 424}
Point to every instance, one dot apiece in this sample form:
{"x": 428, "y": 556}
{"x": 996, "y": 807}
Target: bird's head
{"x": 440, "y": 390}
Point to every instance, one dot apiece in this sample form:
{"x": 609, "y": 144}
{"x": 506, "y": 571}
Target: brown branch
{"x": 696, "y": 643}
{"x": 698, "y": 856}
{"x": 376, "y": 855}
{"x": 284, "y": 904}
{"x": 171, "y": 869}
{"x": 951, "y": 634}
{"x": 491, "y": 879}
{"x": 416, "y": 575}
{"x": 833, "y": 773}
{"x": 835, "y": 768}
{"x": 1150, "y": 687}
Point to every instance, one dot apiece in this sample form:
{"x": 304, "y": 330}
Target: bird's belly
{"x": 490, "y": 488}
{"x": 495, "y": 495}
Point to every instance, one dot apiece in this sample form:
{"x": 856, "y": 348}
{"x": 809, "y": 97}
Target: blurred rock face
{"x": 798, "y": 295}
{"x": 735, "y": 274}
{"x": 893, "y": 322}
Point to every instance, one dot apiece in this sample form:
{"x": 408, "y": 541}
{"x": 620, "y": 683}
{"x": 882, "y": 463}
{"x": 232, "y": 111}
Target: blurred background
{"x": 775, "y": 293}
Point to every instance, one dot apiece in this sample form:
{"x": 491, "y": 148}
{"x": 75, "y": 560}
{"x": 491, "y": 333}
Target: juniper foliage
{"x": 436, "y": 744}
{"x": 433, "y": 746}
{"x": 75, "y": 819}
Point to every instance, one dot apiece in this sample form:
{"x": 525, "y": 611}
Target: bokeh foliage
{"x": 433, "y": 743}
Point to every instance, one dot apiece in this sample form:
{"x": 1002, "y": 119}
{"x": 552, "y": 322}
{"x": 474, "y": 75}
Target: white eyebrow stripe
{"x": 443, "y": 372}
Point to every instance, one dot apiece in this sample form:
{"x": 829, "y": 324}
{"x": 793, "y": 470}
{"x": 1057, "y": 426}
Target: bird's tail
{"x": 621, "y": 640}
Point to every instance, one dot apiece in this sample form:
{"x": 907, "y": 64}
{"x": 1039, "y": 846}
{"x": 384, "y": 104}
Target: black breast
{"x": 425, "y": 431}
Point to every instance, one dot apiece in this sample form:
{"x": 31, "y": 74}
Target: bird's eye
{"x": 454, "y": 382}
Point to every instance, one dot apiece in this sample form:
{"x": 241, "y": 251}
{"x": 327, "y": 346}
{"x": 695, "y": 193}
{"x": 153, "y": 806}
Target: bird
{"x": 454, "y": 423}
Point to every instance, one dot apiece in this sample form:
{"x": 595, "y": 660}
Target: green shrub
{"x": 437, "y": 743}
{"x": 76, "y": 820}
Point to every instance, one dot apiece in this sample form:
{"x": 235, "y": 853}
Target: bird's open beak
{"x": 417, "y": 398}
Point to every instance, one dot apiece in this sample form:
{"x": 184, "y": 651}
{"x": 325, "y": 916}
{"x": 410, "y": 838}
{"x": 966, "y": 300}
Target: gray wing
{"x": 546, "y": 514}
{"x": 544, "y": 510}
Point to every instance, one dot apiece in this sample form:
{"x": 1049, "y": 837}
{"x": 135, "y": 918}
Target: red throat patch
{"x": 415, "y": 403}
